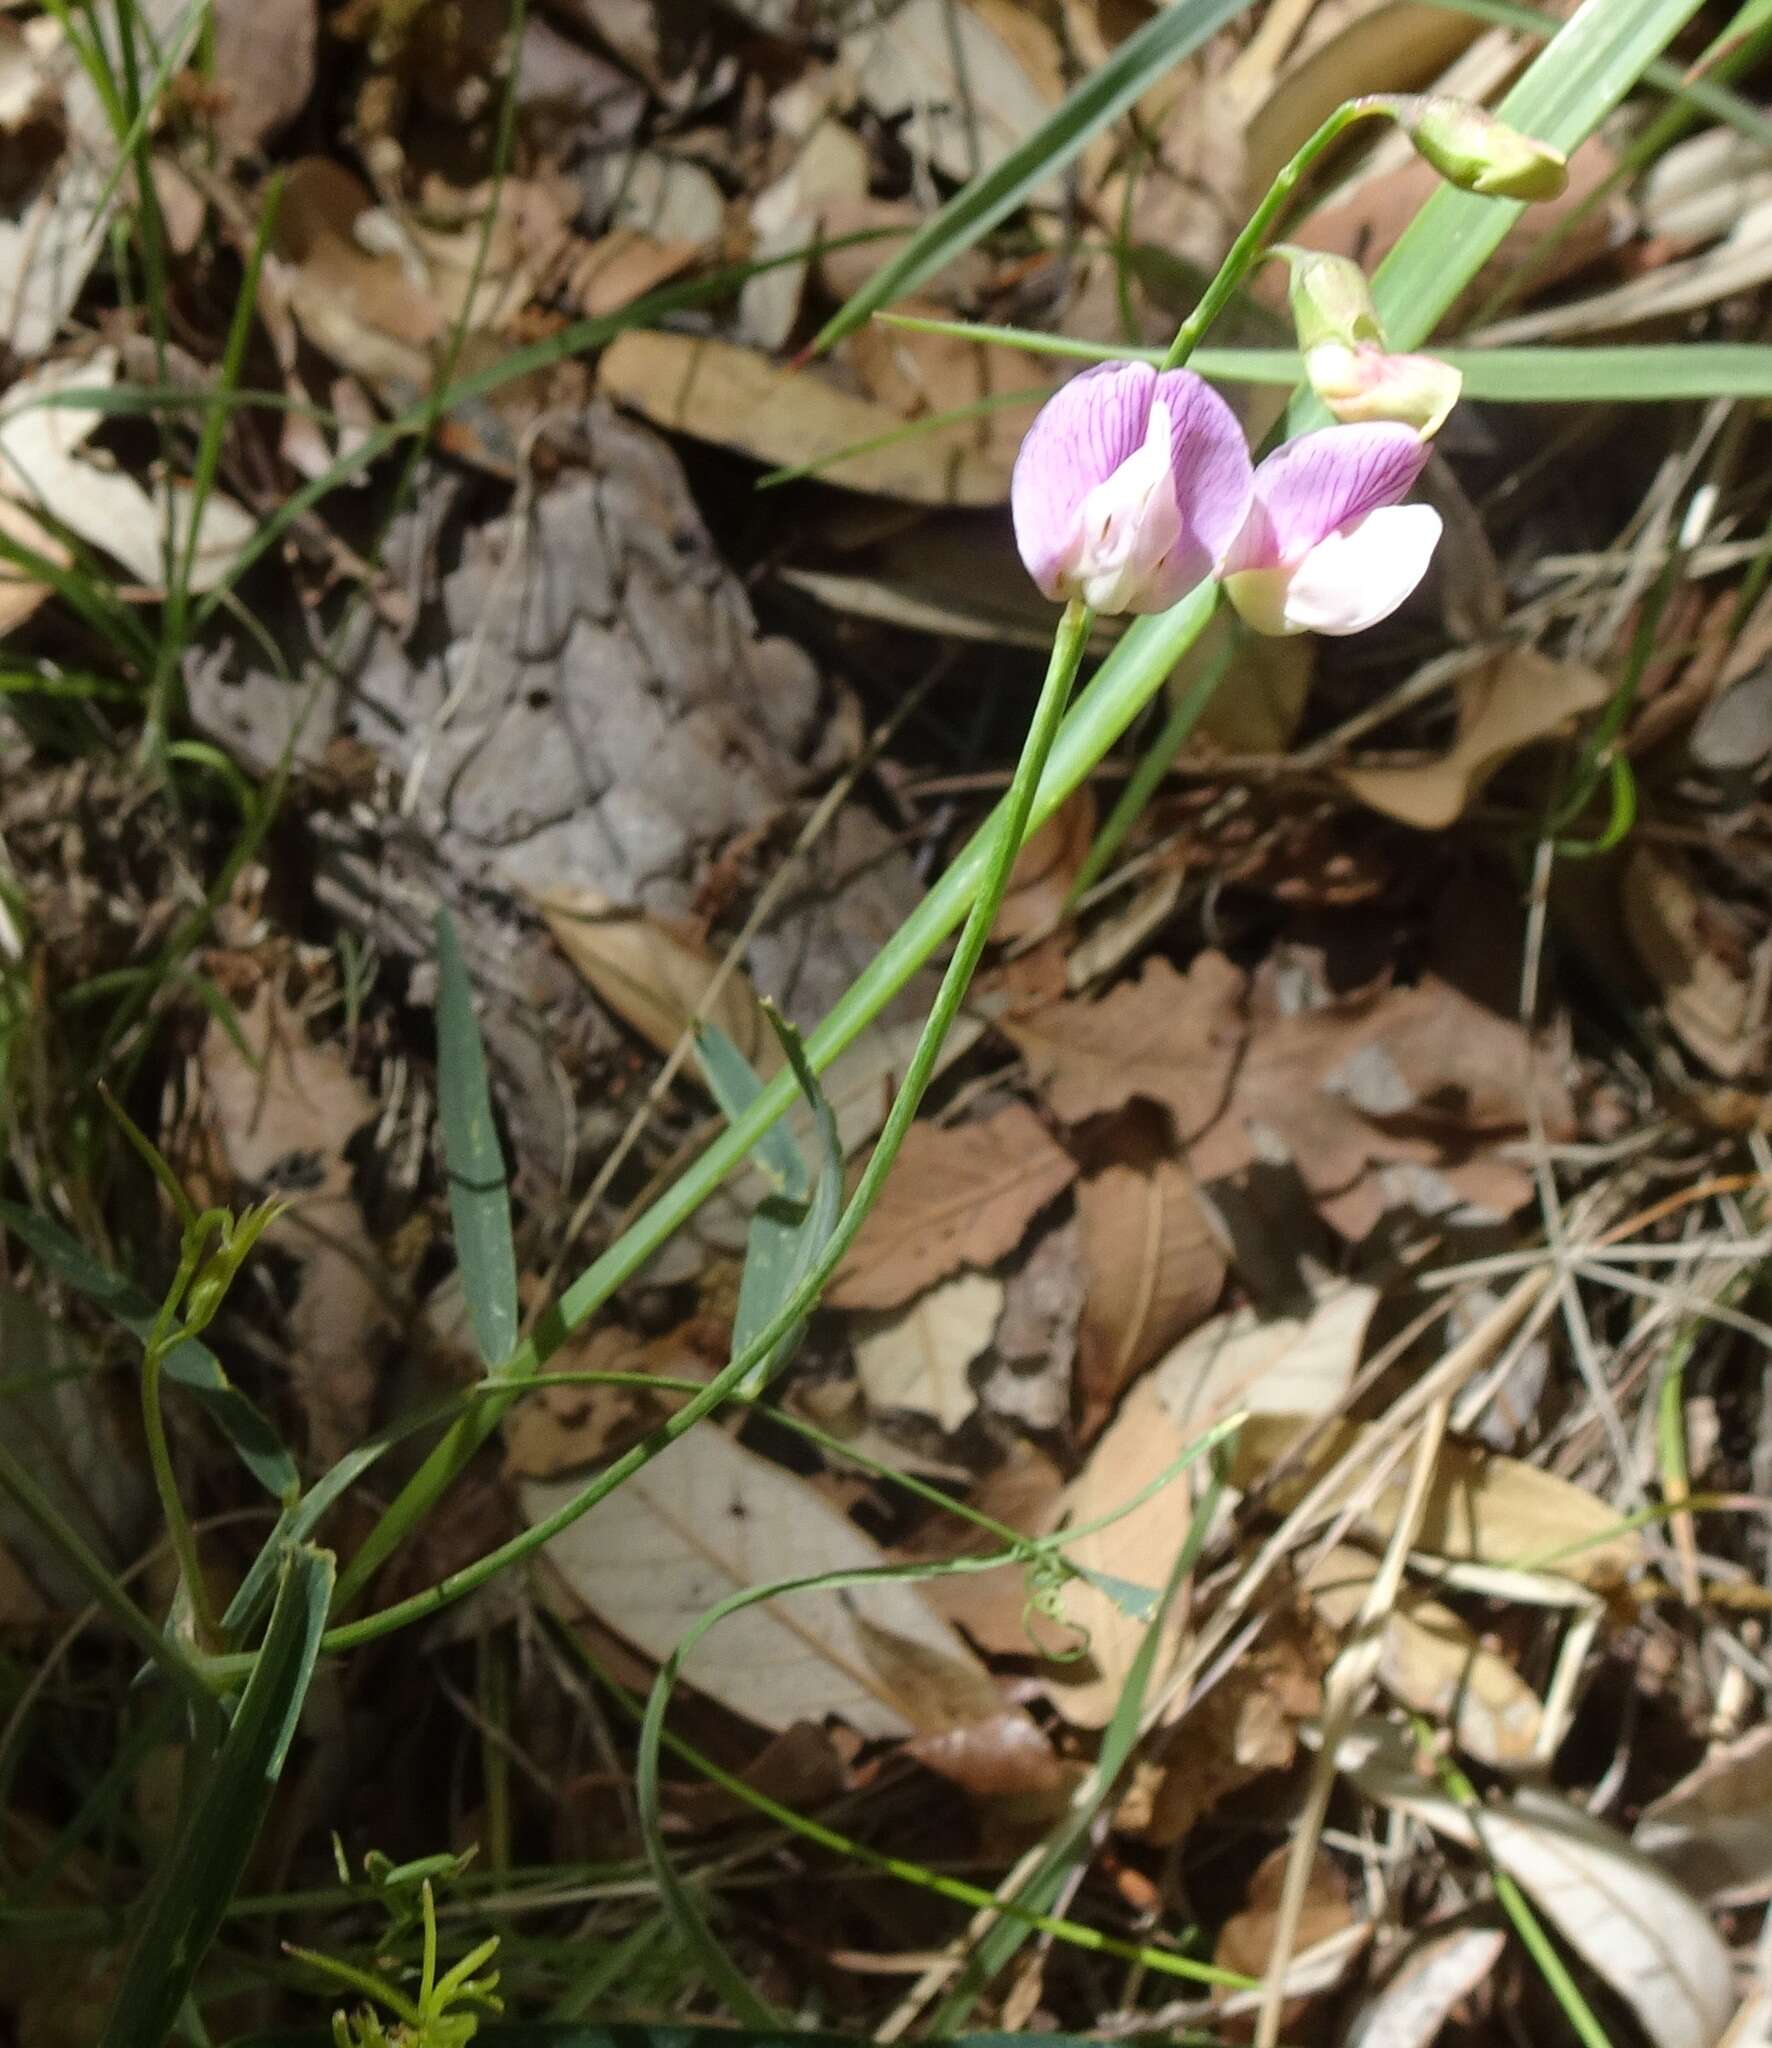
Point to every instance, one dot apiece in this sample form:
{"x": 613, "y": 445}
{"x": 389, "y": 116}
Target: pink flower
{"x": 1327, "y": 547}
{"x": 1129, "y": 487}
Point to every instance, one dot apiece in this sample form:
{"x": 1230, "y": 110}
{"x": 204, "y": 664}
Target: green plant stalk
{"x": 1126, "y": 681}
{"x": 1156, "y": 761}
{"x": 178, "y": 1527}
{"x": 42, "y": 1512}
{"x": 1001, "y": 840}
{"x": 1249, "y": 247}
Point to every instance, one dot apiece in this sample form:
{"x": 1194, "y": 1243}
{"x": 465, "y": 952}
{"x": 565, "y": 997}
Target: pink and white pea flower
{"x": 1328, "y": 547}
{"x": 1129, "y": 487}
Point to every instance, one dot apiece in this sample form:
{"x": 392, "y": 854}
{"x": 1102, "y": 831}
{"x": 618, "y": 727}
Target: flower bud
{"x": 1331, "y": 300}
{"x": 1471, "y": 149}
{"x": 1361, "y": 384}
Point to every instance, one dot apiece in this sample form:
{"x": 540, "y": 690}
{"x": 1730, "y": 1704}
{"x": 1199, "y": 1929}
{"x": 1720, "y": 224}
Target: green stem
{"x": 178, "y": 1527}
{"x": 41, "y": 1511}
{"x": 1005, "y": 831}
{"x": 1248, "y": 249}
{"x": 1122, "y": 686}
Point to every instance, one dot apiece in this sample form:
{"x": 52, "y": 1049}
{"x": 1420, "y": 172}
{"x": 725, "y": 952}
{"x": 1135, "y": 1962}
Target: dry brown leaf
{"x": 918, "y": 375}
{"x": 1005, "y": 1759}
{"x": 1153, "y": 1268}
{"x": 1713, "y": 1831}
{"x": 830, "y": 168}
{"x": 1507, "y": 704}
{"x": 1246, "y": 1940}
{"x": 1169, "y": 1038}
{"x": 364, "y": 311}
{"x": 959, "y": 1195}
{"x": 1637, "y": 1930}
{"x": 1679, "y": 937}
{"x": 670, "y": 198}
{"x": 1481, "y": 1508}
{"x": 565, "y": 1428}
{"x": 282, "y": 1109}
{"x": 1233, "y": 1363}
{"x": 622, "y": 266}
{"x": 655, "y": 974}
{"x": 1390, "y": 1099}
{"x": 1432, "y": 1663}
{"x": 707, "y": 1518}
{"x": 916, "y": 1356}
{"x": 261, "y": 67}
{"x": 736, "y": 398}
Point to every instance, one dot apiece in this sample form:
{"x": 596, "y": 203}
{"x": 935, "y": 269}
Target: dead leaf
{"x": 1045, "y": 868}
{"x": 918, "y": 375}
{"x": 283, "y": 1108}
{"x": 845, "y": 265}
{"x": 43, "y": 464}
{"x": 738, "y": 399}
{"x": 566, "y": 1428}
{"x": 1396, "y": 1098}
{"x": 1260, "y": 698}
{"x": 1688, "y": 947}
{"x": 1713, "y": 1832}
{"x": 972, "y": 95}
{"x": 1235, "y": 1362}
{"x": 1432, "y": 1663}
{"x": 1005, "y": 1759}
{"x": 959, "y": 1195}
{"x": 1644, "y": 1937}
{"x": 830, "y": 167}
{"x": 1029, "y": 1382}
{"x": 1419, "y": 1997}
{"x": 1153, "y": 1268}
{"x": 802, "y": 1767}
{"x": 670, "y": 198}
{"x": 1246, "y": 1940}
{"x": 1169, "y": 1038}
{"x": 654, "y": 973}
{"x": 1481, "y": 1508}
{"x": 366, "y": 311}
{"x": 261, "y": 61}
{"x": 916, "y": 1356}
{"x": 1512, "y": 702}
{"x": 707, "y": 1518}
{"x": 622, "y": 266}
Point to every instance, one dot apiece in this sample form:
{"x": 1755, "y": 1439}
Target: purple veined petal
{"x": 1080, "y": 436}
{"x": 1314, "y": 486}
{"x": 1363, "y": 571}
{"x": 1213, "y": 481}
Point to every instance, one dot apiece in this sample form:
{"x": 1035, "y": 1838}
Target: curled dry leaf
{"x": 44, "y": 466}
{"x": 282, "y": 1109}
{"x": 738, "y": 399}
{"x": 1432, "y": 1663}
{"x": 654, "y": 973}
{"x": 622, "y": 266}
{"x": 1481, "y": 1508}
{"x": 1152, "y": 1269}
{"x": 1234, "y": 1362}
{"x": 1690, "y": 949}
{"x": 1004, "y": 1758}
{"x": 706, "y": 1519}
{"x": 916, "y": 1356}
{"x": 1419, "y": 1996}
{"x": 1629, "y": 1922}
{"x": 1246, "y": 1940}
{"x": 1713, "y": 1832}
{"x": 959, "y": 1195}
{"x": 1507, "y": 704}
{"x": 1167, "y": 1037}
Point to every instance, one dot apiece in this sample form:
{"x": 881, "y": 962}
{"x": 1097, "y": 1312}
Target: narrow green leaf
{"x": 649, "y": 2034}
{"x": 479, "y": 1192}
{"x": 198, "y": 1878}
{"x": 192, "y": 1364}
{"x": 1171, "y": 34}
{"x": 733, "y": 1083}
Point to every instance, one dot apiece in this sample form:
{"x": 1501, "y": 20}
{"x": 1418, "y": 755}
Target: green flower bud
{"x": 1331, "y": 300}
{"x": 1471, "y": 149}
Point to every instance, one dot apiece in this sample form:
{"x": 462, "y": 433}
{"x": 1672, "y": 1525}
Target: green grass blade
{"x": 191, "y": 1364}
{"x": 1170, "y": 35}
{"x": 479, "y": 1189}
{"x": 199, "y": 1876}
{"x": 733, "y": 1083}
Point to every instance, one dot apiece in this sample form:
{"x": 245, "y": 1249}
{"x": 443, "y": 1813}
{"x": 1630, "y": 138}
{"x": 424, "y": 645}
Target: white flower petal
{"x": 1362, "y": 572}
